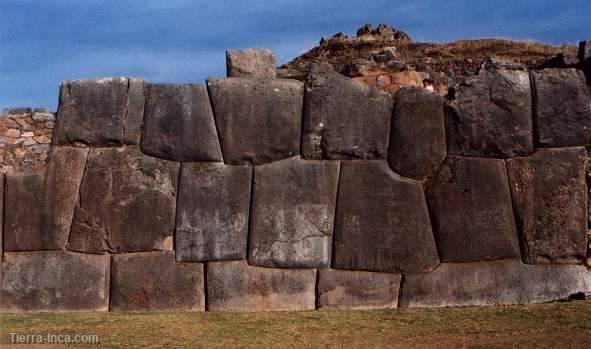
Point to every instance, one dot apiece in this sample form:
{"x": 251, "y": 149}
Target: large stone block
{"x": 178, "y": 123}
{"x": 54, "y": 281}
{"x": 40, "y": 205}
{"x": 470, "y": 205}
{"x": 102, "y": 112}
{"x": 493, "y": 283}
{"x": 127, "y": 203}
{"x": 563, "y": 107}
{"x": 235, "y": 286}
{"x": 258, "y": 120}
{"x": 417, "y": 140}
{"x": 154, "y": 281}
{"x": 550, "y": 200}
{"x": 1, "y": 215}
{"x": 212, "y": 212}
{"x": 490, "y": 114}
{"x": 250, "y": 63}
{"x": 382, "y": 222}
{"x": 292, "y": 215}
{"x": 343, "y": 289}
{"x": 344, "y": 119}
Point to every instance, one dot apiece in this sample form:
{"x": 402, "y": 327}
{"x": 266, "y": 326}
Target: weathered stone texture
{"x": 235, "y": 286}
{"x": 563, "y": 107}
{"x": 344, "y": 119}
{"x": 490, "y": 114}
{"x": 470, "y": 206}
{"x": 127, "y": 203}
{"x": 1, "y": 215}
{"x": 154, "y": 281}
{"x": 293, "y": 213}
{"x": 212, "y": 212}
{"x": 250, "y": 63}
{"x": 54, "y": 281}
{"x": 258, "y": 120}
{"x": 102, "y": 112}
{"x": 178, "y": 123}
{"x": 41, "y": 204}
{"x": 382, "y": 222}
{"x": 417, "y": 141}
{"x": 342, "y": 289}
{"x": 493, "y": 283}
{"x": 550, "y": 200}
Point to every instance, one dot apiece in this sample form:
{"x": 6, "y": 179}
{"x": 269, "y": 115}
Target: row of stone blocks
{"x": 66, "y": 281}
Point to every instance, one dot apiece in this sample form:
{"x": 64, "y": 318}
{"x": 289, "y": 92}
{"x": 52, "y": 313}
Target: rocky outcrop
{"x": 250, "y": 63}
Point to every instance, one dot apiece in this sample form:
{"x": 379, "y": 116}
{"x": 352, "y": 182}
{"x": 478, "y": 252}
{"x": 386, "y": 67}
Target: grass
{"x": 555, "y": 325}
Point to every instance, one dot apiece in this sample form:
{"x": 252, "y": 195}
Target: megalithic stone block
{"x": 563, "y": 107}
{"x": 292, "y": 213}
{"x": 127, "y": 203}
{"x": 258, "y": 120}
{"x": 41, "y": 204}
{"x": 470, "y": 205}
{"x": 382, "y": 221}
{"x": 154, "y": 281}
{"x": 212, "y": 212}
{"x": 490, "y": 114}
{"x": 236, "y": 286}
{"x": 54, "y": 281}
{"x": 100, "y": 113}
{"x": 344, "y": 119}
{"x": 250, "y": 63}
{"x": 493, "y": 283}
{"x": 178, "y": 123}
{"x": 550, "y": 199}
{"x": 417, "y": 140}
{"x": 343, "y": 289}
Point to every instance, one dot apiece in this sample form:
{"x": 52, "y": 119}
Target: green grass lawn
{"x": 556, "y": 325}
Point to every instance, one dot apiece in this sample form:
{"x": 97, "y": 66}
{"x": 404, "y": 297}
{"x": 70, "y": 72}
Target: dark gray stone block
{"x": 382, "y": 222}
{"x": 258, "y": 120}
{"x": 470, "y": 205}
{"x": 100, "y": 113}
{"x": 342, "y": 289}
{"x": 127, "y": 203}
{"x": 212, "y": 212}
{"x": 40, "y": 205}
{"x": 178, "y": 123}
{"x": 550, "y": 199}
{"x": 54, "y": 281}
{"x": 154, "y": 281}
{"x": 344, "y": 119}
{"x": 493, "y": 283}
{"x": 417, "y": 140}
{"x": 235, "y": 286}
{"x": 293, "y": 213}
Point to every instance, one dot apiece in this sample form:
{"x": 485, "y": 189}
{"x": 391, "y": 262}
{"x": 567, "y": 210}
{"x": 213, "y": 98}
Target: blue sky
{"x": 45, "y": 41}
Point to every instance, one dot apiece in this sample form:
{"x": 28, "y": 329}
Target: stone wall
{"x": 252, "y": 194}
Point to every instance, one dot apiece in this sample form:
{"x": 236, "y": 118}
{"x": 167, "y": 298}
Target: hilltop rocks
{"x": 292, "y": 214}
{"x": 563, "y": 107}
{"x": 549, "y": 196}
{"x": 153, "y": 281}
{"x": 258, "y": 120}
{"x": 178, "y": 123}
{"x": 417, "y": 140}
{"x": 42, "y": 203}
{"x": 344, "y": 119}
{"x": 382, "y": 223}
{"x": 490, "y": 113}
{"x": 236, "y": 286}
{"x": 341, "y": 289}
{"x": 212, "y": 213}
{"x": 470, "y": 205}
{"x": 54, "y": 281}
{"x": 127, "y": 203}
{"x": 103, "y": 112}
{"x": 250, "y": 63}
